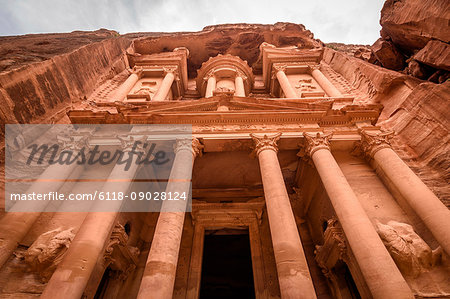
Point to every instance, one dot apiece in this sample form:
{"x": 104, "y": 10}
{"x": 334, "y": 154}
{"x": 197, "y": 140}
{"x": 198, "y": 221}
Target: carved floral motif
{"x": 314, "y": 143}
{"x": 265, "y": 142}
{"x": 372, "y": 142}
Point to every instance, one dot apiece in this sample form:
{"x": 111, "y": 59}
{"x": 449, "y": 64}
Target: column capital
{"x": 132, "y": 143}
{"x": 137, "y": 70}
{"x": 209, "y": 75}
{"x": 313, "y": 67}
{"x": 71, "y": 144}
{"x": 190, "y": 144}
{"x": 279, "y": 67}
{"x": 372, "y": 142}
{"x": 266, "y": 142}
{"x": 170, "y": 69}
{"x": 314, "y": 143}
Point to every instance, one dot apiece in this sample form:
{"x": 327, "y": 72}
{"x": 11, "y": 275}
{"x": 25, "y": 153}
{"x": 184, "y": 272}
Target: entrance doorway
{"x": 227, "y": 265}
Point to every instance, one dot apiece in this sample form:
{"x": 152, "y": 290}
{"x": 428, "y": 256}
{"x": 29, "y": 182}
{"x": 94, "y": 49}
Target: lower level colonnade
{"x": 380, "y": 273}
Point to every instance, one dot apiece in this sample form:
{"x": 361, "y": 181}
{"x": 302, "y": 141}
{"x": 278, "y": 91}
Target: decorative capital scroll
{"x": 190, "y": 144}
{"x": 266, "y": 142}
{"x": 314, "y": 143}
{"x": 372, "y": 142}
{"x": 130, "y": 143}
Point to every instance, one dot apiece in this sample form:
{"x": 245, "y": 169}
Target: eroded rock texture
{"x": 415, "y": 34}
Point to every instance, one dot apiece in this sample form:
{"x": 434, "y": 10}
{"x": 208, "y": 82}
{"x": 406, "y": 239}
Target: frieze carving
{"x": 191, "y": 144}
{"x": 372, "y": 142}
{"x": 265, "y": 142}
{"x": 314, "y": 143}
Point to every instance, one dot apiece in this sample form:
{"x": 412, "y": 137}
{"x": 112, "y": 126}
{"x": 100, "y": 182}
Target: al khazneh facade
{"x": 282, "y": 158}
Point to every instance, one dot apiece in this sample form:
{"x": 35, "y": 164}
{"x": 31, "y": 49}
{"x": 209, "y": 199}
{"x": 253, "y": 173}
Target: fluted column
{"x": 326, "y": 85}
{"x": 159, "y": 275}
{"x": 422, "y": 200}
{"x": 14, "y": 225}
{"x": 293, "y": 272}
{"x": 72, "y": 275}
{"x": 166, "y": 84}
{"x": 128, "y": 85}
{"x": 211, "y": 86}
{"x": 286, "y": 86}
{"x": 379, "y": 270}
{"x": 239, "y": 86}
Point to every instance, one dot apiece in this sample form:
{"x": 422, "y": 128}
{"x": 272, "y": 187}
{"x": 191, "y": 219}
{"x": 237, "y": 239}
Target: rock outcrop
{"x": 415, "y": 38}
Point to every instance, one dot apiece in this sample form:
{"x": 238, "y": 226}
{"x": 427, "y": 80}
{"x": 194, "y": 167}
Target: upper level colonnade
{"x": 288, "y": 72}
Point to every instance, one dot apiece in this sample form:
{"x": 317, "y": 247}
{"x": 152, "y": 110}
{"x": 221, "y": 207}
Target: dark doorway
{"x": 227, "y": 267}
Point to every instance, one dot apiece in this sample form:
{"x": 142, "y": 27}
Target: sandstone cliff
{"x": 415, "y": 38}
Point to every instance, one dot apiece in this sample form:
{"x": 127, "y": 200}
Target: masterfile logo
{"x": 95, "y": 168}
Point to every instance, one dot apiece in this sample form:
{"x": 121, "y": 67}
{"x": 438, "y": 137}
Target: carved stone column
{"x": 286, "y": 86}
{"x": 72, "y": 275}
{"x": 159, "y": 275}
{"x": 126, "y": 86}
{"x": 239, "y": 86}
{"x": 14, "y": 225}
{"x": 166, "y": 84}
{"x": 379, "y": 270}
{"x": 293, "y": 272}
{"x": 211, "y": 86}
{"x": 326, "y": 85}
{"x": 422, "y": 200}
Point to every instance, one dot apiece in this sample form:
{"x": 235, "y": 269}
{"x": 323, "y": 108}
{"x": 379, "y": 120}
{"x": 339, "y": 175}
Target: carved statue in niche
{"x": 411, "y": 254}
{"x": 305, "y": 85}
{"x": 48, "y": 250}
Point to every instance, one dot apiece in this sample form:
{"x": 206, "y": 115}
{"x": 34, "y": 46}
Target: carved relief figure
{"x": 409, "y": 251}
{"x": 305, "y": 85}
{"x": 48, "y": 250}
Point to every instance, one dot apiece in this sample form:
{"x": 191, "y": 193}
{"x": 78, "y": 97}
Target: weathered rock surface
{"x": 435, "y": 54}
{"x": 418, "y": 30}
{"x": 242, "y": 40}
{"x": 388, "y": 55}
{"x": 410, "y": 24}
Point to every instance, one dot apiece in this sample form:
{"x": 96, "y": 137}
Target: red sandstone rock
{"x": 412, "y": 23}
{"x": 417, "y": 70}
{"x": 435, "y": 54}
{"x": 388, "y": 55}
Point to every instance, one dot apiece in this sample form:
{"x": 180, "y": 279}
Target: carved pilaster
{"x": 122, "y": 257}
{"x": 266, "y": 142}
{"x": 372, "y": 142}
{"x": 334, "y": 247}
{"x": 314, "y": 143}
{"x": 190, "y": 144}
